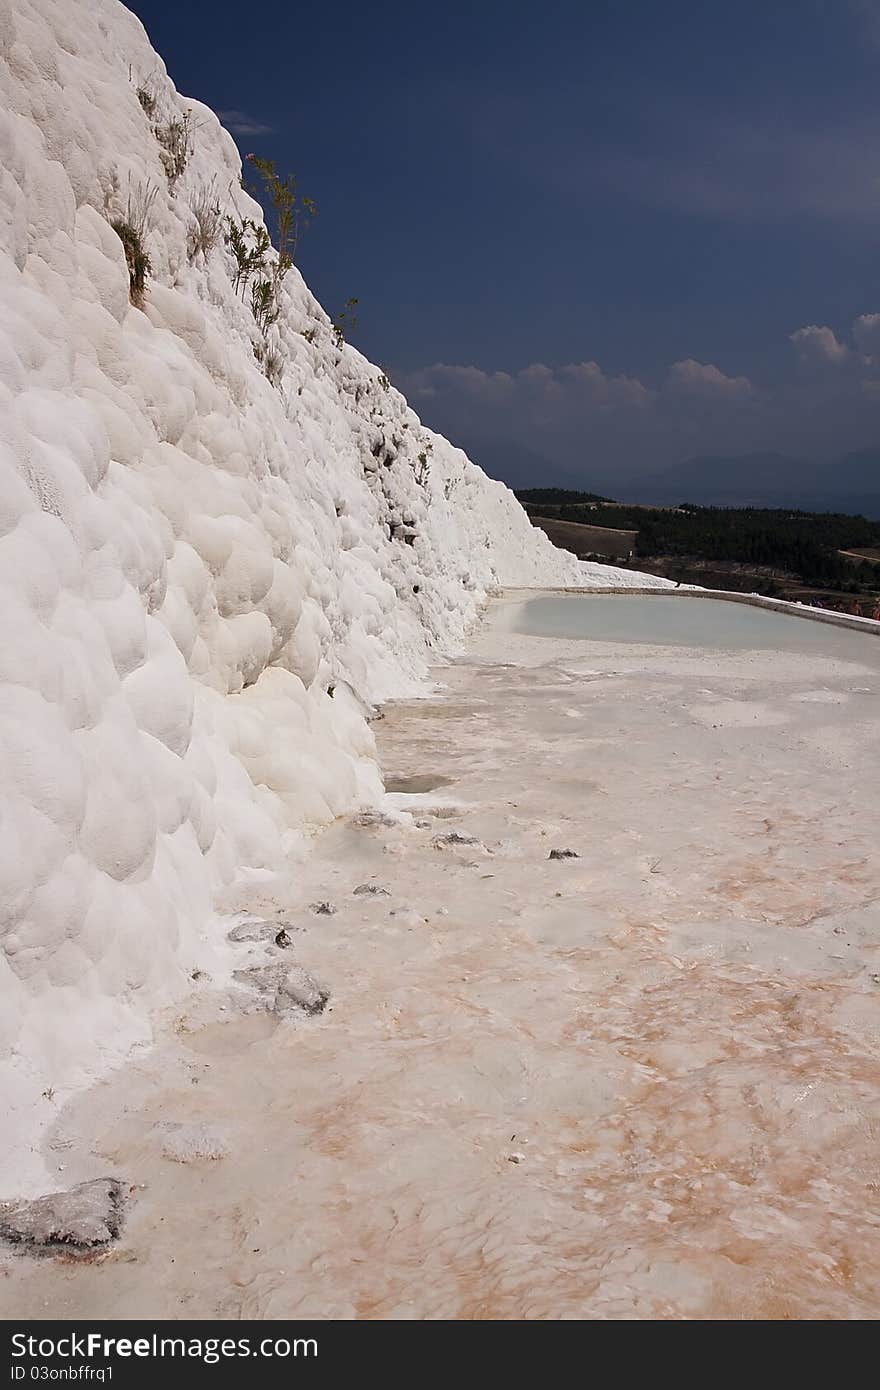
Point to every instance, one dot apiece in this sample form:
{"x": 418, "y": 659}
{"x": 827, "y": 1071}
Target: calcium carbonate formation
{"x": 220, "y": 544}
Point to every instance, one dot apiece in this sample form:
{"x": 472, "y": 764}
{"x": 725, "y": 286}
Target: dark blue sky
{"x": 667, "y": 192}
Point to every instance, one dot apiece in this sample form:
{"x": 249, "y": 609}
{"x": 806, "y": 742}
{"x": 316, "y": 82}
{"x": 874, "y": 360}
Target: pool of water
{"x": 679, "y": 621}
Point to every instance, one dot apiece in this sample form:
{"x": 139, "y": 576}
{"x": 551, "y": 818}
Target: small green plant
{"x": 309, "y": 334}
{"x": 293, "y": 212}
{"x": 423, "y": 472}
{"x": 136, "y": 259}
{"x": 147, "y": 98}
{"x": 264, "y": 303}
{"x": 208, "y": 220}
{"x": 273, "y": 363}
{"x": 345, "y": 322}
{"x": 270, "y": 361}
{"x": 251, "y": 248}
{"x": 139, "y": 203}
{"x": 249, "y": 244}
{"x": 176, "y": 141}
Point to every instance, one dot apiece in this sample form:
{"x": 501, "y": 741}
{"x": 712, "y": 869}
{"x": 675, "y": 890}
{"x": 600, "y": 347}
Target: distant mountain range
{"x": 852, "y": 484}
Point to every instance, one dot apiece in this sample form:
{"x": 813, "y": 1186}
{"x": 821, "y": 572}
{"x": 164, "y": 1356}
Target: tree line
{"x": 803, "y": 544}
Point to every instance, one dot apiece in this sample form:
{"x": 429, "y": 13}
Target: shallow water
{"x": 680, "y": 621}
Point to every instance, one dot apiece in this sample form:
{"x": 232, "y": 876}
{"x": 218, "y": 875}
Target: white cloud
{"x": 240, "y": 123}
{"x": 705, "y": 379}
{"x": 606, "y": 390}
{"x": 866, "y": 335}
{"x": 446, "y": 379}
{"x": 818, "y": 344}
{"x": 580, "y": 415}
{"x": 819, "y": 347}
{"x": 575, "y": 382}
{"x": 538, "y": 379}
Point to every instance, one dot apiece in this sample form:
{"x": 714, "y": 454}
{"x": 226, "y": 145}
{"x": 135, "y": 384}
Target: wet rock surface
{"x": 85, "y": 1217}
{"x": 254, "y": 929}
{"x": 417, "y": 782}
{"x": 285, "y": 989}
{"x": 300, "y": 993}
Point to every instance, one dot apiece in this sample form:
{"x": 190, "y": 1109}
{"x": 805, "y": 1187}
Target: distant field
{"x": 871, "y": 554}
{"x": 582, "y": 540}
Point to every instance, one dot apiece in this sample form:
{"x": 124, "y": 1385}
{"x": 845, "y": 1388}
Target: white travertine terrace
{"x": 191, "y": 558}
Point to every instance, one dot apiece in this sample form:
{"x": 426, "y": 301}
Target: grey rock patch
{"x": 453, "y": 837}
{"x": 372, "y": 890}
{"x": 188, "y": 1143}
{"x": 563, "y": 854}
{"x": 323, "y": 909}
{"x": 263, "y": 978}
{"x": 85, "y": 1217}
{"x": 418, "y": 784}
{"x": 254, "y": 929}
{"x": 408, "y": 917}
{"x": 372, "y": 819}
{"x": 301, "y": 993}
{"x": 285, "y": 989}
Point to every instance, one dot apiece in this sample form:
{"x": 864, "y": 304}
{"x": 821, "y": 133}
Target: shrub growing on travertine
{"x": 293, "y": 212}
{"x": 345, "y": 322}
{"x": 175, "y": 139}
{"x": 136, "y": 259}
{"x": 271, "y": 361}
{"x": 258, "y": 268}
{"x": 131, "y": 228}
{"x": 208, "y": 221}
{"x": 139, "y": 204}
{"x": 147, "y": 98}
{"x": 250, "y": 245}
{"x": 264, "y": 304}
{"x": 146, "y": 90}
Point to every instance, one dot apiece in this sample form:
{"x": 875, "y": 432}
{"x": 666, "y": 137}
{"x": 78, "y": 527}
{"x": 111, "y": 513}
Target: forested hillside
{"x": 802, "y": 544}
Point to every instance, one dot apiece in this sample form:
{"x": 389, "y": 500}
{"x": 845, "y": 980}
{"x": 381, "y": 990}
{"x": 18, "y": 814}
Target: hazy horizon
{"x": 849, "y": 483}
